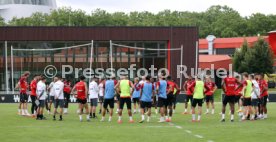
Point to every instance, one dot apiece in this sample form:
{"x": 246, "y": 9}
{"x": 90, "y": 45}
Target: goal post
{"x": 50, "y": 56}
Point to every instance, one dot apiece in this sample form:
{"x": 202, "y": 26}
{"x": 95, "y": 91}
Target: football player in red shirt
{"x": 264, "y": 96}
{"x": 81, "y": 95}
{"x": 23, "y": 87}
{"x": 33, "y": 94}
{"x": 66, "y": 91}
{"x": 189, "y": 92}
{"x": 239, "y": 94}
{"x": 170, "y": 99}
{"x": 229, "y": 88}
{"x": 209, "y": 93}
{"x": 175, "y": 93}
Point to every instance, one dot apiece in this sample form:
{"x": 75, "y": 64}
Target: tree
{"x": 263, "y": 57}
{"x": 260, "y": 24}
{"x": 2, "y": 21}
{"x": 239, "y": 63}
{"x": 221, "y": 21}
{"x": 100, "y": 18}
{"x": 256, "y": 59}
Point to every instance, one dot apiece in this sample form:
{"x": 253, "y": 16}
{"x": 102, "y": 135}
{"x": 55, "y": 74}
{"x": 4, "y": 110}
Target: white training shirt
{"x": 142, "y": 82}
{"x": 41, "y": 88}
{"x": 52, "y": 90}
{"x": 93, "y": 90}
{"x": 101, "y": 89}
{"x": 58, "y": 87}
{"x": 256, "y": 90}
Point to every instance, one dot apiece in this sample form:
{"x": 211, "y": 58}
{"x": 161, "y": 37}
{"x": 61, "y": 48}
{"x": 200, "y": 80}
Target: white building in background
{"x": 24, "y": 8}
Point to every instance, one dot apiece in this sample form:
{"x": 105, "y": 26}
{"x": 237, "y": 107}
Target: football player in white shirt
{"x": 41, "y": 96}
{"x": 143, "y": 80}
{"x": 254, "y": 96}
{"x": 93, "y": 97}
{"x": 101, "y": 93}
{"x": 51, "y": 91}
{"x": 59, "y": 97}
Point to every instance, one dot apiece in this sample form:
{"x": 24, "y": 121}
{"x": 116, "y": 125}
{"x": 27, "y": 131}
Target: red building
{"x": 272, "y": 41}
{"x": 223, "y": 48}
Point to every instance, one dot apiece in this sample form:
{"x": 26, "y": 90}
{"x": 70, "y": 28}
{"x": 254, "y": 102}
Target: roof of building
{"x": 272, "y": 32}
{"x": 218, "y": 61}
{"x": 235, "y": 42}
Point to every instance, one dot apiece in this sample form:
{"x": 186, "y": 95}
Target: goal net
{"x": 52, "y": 56}
{"x": 142, "y": 56}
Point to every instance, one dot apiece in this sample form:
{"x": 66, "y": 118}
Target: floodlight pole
{"x": 196, "y": 63}
{"x": 110, "y": 54}
{"x": 181, "y": 63}
{"x": 6, "y": 63}
{"x": 12, "y": 82}
{"x": 91, "y": 58}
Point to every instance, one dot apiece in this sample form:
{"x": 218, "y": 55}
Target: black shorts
{"x": 198, "y": 102}
{"x": 264, "y": 100}
{"x": 170, "y": 100}
{"x": 52, "y": 98}
{"x": 145, "y": 104}
{"x": 23, "y": 97}
{"x": 59, "y": 103}
{"x": 161, "y": 102}
{"x": 135, "y": 100}
{"x": 189, "y": 98}
{"x": 228, "y": 99}
{"x": 82, "y": 101}
{"x": 127, "y": 101}
{"x": 117, "y": 97}
{"x": 174, "y": 99}
{"x": 246, "y": 101}
{"x": 154, "y": 99}
{"x": 154, "y": 102}
{"x": 237, "y": 99}
{"x": 209, "y": 98}
{"x": 66, "y": 96}
{"x": 101, "y": 99}
{"x": 108, "y": 102}
{"x": 254, "y": 102}
{"x": 94, "y": 102}
{"x": 41, "y": 103}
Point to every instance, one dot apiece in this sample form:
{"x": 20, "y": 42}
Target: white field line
{"x": 159, "y": 126}
{"x": 198, "y": 136}
{"x": 188, "y": 131}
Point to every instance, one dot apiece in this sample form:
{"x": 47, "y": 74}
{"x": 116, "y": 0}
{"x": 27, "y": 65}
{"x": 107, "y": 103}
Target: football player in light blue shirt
{"x": 147, "y": 91}
{"x": 136, "y": 94}
{"x": 161, "y": 88}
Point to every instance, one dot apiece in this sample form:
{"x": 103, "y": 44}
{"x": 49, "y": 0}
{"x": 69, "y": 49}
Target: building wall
{"x": 175, "y": 36}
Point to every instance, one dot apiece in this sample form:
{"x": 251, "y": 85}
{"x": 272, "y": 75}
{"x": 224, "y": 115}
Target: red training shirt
{"x": 230, "y": 86}
{"x": 80, "y": 87}
{"x": 210, "y": 87}
{"x": 23, "y": 85}
{"x": 33, "y": 87}
{"x": 263, "y": 84}
{"x": 189, "y": 88}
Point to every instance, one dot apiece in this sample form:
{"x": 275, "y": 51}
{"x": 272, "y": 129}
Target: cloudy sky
{"x": 244, "y": 7}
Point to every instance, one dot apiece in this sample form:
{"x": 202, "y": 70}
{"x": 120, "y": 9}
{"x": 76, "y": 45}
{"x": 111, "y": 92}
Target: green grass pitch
{"x": 15, "y": 128}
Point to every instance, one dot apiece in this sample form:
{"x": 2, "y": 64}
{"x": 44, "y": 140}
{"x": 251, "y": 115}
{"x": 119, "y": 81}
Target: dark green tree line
{"x": 222, "y": 21}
